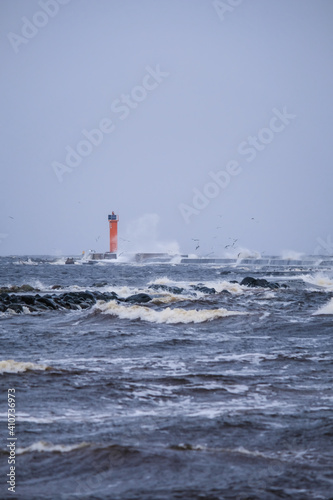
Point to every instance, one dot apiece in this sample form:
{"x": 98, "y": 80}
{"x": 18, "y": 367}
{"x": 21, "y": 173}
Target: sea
{"x": 196, "y": 394}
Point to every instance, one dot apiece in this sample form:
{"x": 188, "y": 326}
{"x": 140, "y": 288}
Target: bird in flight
{"x": 196, "y": 239}
{"x": 231, "y": 245}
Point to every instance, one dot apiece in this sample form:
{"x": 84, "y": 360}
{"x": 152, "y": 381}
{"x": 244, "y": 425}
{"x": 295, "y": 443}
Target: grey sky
{"x": 200, "y": 82}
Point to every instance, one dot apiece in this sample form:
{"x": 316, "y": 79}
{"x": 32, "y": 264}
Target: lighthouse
{"x": 113, "y": 227}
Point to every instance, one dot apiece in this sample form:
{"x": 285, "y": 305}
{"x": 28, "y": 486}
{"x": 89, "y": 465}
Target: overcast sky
{"x": 191, "y": 119}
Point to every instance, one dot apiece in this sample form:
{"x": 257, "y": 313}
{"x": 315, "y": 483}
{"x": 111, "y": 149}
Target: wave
{"x": 198, "y": 447}
{"x": 326, "y": 309}
{"x": 43, "y": 446}
{"x": 28, "y": 262}
{"x": 167, "y": 316}
{"x": 242, "y": 253}
{"x": 319, "y": 280}
{"x": 219, "y": 286}
{"x": 11, "y": 366}
{"x": 292, "y": 255}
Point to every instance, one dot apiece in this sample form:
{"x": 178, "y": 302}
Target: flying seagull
{"x": 232, "y": 245}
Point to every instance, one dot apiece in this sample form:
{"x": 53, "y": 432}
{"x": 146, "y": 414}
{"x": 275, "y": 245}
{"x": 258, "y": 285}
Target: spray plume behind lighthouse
{"x": 143, "y": 231}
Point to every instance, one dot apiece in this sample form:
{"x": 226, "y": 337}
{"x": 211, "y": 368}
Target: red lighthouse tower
{"x": 113, "y": 226}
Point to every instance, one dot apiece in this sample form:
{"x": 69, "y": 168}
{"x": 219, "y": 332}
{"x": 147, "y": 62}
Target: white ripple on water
{"x": 43, "y": 446}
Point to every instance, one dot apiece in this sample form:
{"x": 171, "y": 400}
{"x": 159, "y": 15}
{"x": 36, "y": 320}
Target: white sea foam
{"x": 219, "y": 285}
{"x": 11, "y": 366}
{"x": 326, "y": 309}
{"x": 59, "y": 262}
{"x": 163, "y": 280}
{"x": 28, "y": 262}
{"x": 43, "y": 446}
{"x": 168, "y": 298}
{"x": 292, "y": 255}
{"x": 168, "y": 316}
{"x": 320, "y": 280}
{"x": 242, "y": 253}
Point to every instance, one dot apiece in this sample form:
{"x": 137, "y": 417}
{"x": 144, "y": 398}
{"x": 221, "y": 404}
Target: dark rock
{"x": 85, "y": 305}
{"x": 68, "y": 297}
{"x": 234, "y": 281}
{"x": 75, "y": 307}
{"x": 100, "y": 284}
{"x": 13, "y": 299}
{"x": 68, "y": 300}
{"x": 88, "y": 295}
{"x": 28, "y": 299}
{"x": 171, "y": 289}
{"x": 16, "y": 307}
{"x": 139, "y": 297}
{"x": 32, "y": 309}
{"x": 26, "y": 288}
{"x": 18, "y": 289}
{"x": 48, "y": 302}
{"x": 110, "y": 296}
{"x": 262, "y": 283}
{"x": 56, "y": 287}
{"x": 69, "y": 260}
{"x": 62, "y": 303}
{"x": 102, "y": 296}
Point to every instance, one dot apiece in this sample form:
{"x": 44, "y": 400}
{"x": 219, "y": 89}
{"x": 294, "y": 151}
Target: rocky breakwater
{"x": 13, "y": 300}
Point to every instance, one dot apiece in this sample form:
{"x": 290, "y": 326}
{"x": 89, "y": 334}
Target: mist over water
{"x": 143, "y": 235}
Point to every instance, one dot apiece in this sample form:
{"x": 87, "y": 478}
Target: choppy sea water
{"x": 193, "y": 395}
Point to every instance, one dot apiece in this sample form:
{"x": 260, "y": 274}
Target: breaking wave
{"x": 11, "y": 366}
{"x": 319, "y": 280}
{"x": 168, "y": 316}
{"x": 219, "y": 285}
{"x": 27, "y": 262}
{"x": 292, "y": 255}
{"x": 326, "y": 309}
{"x": 43, "y": 446}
